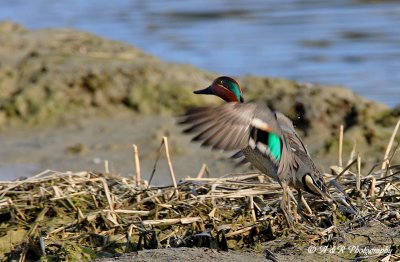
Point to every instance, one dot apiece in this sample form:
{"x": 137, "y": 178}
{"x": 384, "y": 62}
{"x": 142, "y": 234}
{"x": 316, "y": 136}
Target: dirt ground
{"x": 86, "y": 143}
{"x": 187, "y": 254}
{"x": 368, "y": 243}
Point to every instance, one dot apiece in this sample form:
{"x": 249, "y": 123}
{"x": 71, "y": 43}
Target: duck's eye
{"x": 221, "y": 82}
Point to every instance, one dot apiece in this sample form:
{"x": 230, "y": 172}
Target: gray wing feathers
{"x": 290, "y": 133}
{"x": 228, "y": 127}
{"x": 223, "y": 127}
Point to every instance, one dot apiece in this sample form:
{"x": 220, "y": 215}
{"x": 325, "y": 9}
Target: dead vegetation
{"x": 57, "y": 216}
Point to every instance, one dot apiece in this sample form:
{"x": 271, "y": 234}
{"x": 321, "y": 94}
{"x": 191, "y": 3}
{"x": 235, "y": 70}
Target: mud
{"x": 375, "y": 238}
{"x": 86, "y": 144}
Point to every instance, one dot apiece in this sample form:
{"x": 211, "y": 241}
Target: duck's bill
{"x": 205, "y": 91}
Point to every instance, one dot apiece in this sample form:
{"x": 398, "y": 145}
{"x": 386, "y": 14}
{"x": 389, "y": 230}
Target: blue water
{"x": 344, "y": 42}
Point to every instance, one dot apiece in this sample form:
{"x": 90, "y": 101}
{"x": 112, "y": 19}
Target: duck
{"x": 266, "y": 138}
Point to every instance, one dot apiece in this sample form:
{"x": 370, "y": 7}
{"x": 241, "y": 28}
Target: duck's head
{"x": 226, "y": 88}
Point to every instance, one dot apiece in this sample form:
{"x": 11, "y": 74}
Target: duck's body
{"x": 267, "y": 139}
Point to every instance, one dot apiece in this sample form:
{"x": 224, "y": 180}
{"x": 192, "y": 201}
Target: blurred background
{"x": 342, "y": 42}
{"x": 46, "y": 73}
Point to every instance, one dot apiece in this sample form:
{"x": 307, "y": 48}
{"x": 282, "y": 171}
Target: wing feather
{"x": 226, "y": 126}
{"x": 290, "y": 133}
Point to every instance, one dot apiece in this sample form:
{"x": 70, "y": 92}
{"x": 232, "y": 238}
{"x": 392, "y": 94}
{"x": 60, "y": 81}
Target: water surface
{"x": 351, "y": 43}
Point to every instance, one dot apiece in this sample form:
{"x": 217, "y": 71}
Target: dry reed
{"x": 65, "y": 215}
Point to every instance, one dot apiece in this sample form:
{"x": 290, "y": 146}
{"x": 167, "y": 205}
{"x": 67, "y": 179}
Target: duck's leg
{"x": 285, "y": 206}
{"x": 301, "y": 202}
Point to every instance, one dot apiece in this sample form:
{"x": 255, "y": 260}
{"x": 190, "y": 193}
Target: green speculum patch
{"x": 275, "y": 145}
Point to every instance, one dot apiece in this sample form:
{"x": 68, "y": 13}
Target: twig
{"x": 131, "y": 212}
{"x": 42, "y": 245}
{"x": 303, "y": 200}
{"x": 341, "y": 146}
{"x": 371, "y": 192}
{"x": 137, "y": 169}
{"x": 202, "y": 171}
{"x": 172, "y": 221}
{"x": 137, "y": 165}
{"x": 352, "y": 153}
{"x": 21, "y": 214}
{"x": 32, "y": 231}
{"x": 16, "y": 184}
{"x": 108, "y": 195}
{"x": 358, "y": 181}
{"x": 155, "y": 162}
{"x": 235, "y": 178}
{"x": 346, "y": 168}
{"x": 171, "y": 170}
{"x": 106, "y": 167}
{"x": 253, "y": 212}
{"x": 389, "y": 146}
{"x": 240, "y": 231}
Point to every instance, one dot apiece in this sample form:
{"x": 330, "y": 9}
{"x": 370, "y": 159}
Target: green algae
{"x": 11, "y": 238}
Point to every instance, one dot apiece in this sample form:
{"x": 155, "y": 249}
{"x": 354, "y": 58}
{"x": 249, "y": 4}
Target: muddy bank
{"x": 187, "y": 254}
{"x": 86, "y": 143}
{"x": 53, "y": 78}
{"x": 375, "y": 238}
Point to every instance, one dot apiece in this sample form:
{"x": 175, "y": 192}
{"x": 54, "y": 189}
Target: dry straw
{"x": 78, "y": 216}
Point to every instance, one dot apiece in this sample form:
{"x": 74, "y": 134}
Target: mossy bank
{"x": 49, "y": 74}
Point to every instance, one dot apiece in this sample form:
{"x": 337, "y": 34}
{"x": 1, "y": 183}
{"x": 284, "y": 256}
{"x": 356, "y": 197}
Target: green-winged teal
{"x": 266, "y": 138}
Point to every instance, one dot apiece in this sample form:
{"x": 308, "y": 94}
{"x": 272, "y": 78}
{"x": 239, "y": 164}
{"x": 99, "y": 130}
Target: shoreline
{"x": 55, "y": 78}
{"x": 71, "y": 100}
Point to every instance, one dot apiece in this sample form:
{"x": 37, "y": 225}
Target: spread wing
{"x": 236, "y": 126}
{"x": 228, "y": 126}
